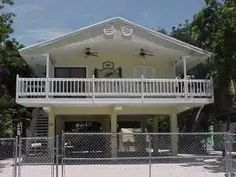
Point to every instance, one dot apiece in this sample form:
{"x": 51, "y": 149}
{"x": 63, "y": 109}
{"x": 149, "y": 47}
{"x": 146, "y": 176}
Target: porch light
{"x": 118, "y": 108}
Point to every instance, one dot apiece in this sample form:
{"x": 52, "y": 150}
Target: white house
{"x": 111, "y": 72}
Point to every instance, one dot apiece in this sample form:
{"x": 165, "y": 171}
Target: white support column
{"x": 185, "y": 76}
{"x": 51, "y": 121}
{"x": 142, "y": 88}
{"x": 174, "y": 129}
{"x": 185, "y": 66}
{"x": 93, "y": 88}
{"x": 51, "y": 128}
{"x": 48, "y": 65}
{"x": 48, "y": 72}
{"x": 114, "y": 130}
{"x": 51, "y": 125}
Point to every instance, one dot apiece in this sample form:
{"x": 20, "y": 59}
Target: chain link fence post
{"x": 57, "y": 154}
{"x": 228, "y": 157}
{"x": 53, "y": 144}
{"x": 15, "y": 150}
{"x": 19, "y": 158}
{"x": 62, "y": 154}
{"x": 230, "y": 154}
{"x": 150, "y": 154}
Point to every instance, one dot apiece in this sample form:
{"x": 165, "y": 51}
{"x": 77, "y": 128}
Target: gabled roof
{"x": 113, "y": 20}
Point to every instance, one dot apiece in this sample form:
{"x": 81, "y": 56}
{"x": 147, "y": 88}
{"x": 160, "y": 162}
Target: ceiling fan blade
{"x": 94, "y": 54}
{"x": 142, "y": 55}
{"x": 149, "y": 54}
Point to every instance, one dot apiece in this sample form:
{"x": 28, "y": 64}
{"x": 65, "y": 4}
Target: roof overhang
{"x": 93, "y": 35}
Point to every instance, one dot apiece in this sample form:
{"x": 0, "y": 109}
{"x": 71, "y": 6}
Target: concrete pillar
{"x": 51, "y": 129}
{"x": 51, "y": 120}
{"x": 51, "y": 124}
{"x": 114, "y": 136}
{"x": 185, "y": 66}
{"x": 174, "y": 129}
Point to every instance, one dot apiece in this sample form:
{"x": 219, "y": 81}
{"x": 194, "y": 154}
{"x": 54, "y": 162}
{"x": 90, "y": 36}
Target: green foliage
{"x": 161, "y": 30}
{"x": 6, "y": 104}
{"x": 184, "y": 33}
{"x": 5, "y": 2}
{"x": 10, "y": 64}
{"x": 214, "y": 29}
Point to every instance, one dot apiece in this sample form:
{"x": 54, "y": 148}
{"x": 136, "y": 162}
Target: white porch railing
{"x": 112, "y": 88}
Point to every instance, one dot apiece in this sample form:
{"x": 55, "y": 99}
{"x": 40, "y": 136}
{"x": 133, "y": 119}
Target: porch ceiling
{"x": 112, "y": 49}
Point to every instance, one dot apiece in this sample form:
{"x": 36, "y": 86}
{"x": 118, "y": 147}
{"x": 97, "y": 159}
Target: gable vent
{"x": 126, "y": 31}
{"x": 108, "y": 30}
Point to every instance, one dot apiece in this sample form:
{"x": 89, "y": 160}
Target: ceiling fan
{"x": 88, "y": 52}
{"x": 143, "y": 53}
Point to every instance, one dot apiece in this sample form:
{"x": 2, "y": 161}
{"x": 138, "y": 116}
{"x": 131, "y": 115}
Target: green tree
{"x": 214, "y": 29}
{"x": 10, "y": 64}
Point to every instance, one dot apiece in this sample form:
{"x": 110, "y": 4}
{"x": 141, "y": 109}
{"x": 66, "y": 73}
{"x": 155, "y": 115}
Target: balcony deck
{"x": 34, "y": 92}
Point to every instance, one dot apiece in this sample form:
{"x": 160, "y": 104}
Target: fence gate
{"x": 230, "y": 154}
{"x": 98, "y": 154}
{"x": 36, "y": 157}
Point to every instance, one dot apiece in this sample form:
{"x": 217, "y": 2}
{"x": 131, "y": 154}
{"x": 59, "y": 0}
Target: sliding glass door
{"x": 73, "y": 88}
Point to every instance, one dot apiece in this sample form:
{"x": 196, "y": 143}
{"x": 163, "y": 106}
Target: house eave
{"x": 172, "y": 40}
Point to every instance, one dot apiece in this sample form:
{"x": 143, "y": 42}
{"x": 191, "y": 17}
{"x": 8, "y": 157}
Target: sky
{"x": 40, "y": 20}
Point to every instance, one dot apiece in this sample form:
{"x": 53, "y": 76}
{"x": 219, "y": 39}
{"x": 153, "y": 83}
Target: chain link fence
{"x": 36, "y": 157}
{"x": 148, "y": 154}
{"x": 8, "y": 164}
{"x": 116, "y": 154}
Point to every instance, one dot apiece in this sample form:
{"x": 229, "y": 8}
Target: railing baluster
{"x": 203, "y": 87}
{"x": 26, "y": 86}
{"x": 186, "y": 88}
{"x": 63, "y": 86}
{"x": 167, "y": 88}
{"x": 197, "y": 88}
{"x": 164, "y": 87}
